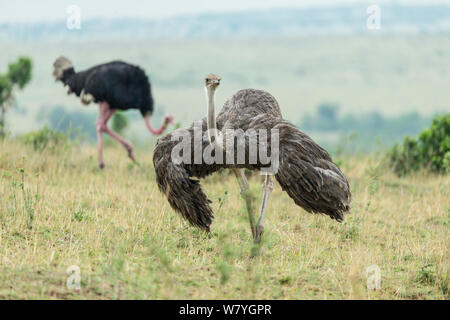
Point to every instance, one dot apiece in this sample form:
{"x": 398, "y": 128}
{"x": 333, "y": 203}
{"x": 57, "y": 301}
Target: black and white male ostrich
{"x": 306, "y": 171}
{"x": 114, "y": 86}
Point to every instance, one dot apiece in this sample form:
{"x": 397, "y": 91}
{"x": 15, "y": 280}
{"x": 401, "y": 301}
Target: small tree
{"x": 18, "y": 76}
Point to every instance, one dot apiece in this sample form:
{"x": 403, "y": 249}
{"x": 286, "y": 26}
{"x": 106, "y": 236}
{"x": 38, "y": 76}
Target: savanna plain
{"x": 57, "y": 210}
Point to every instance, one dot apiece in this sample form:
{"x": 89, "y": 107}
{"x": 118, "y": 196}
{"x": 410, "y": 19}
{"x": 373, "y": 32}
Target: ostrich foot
{"x": 267, "y": 190}
{"x": 130, "y": 152}
{"x": 258, "y": 234}
{"x": 101, "y": 165}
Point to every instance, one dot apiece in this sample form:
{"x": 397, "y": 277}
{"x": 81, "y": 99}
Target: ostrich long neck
{"x": 210, "y": 92}
{"x": 153, "y": 130}
{"x": 211, "y": 121}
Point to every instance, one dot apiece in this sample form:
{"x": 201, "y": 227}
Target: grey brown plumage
{"x": 306, "y": 171}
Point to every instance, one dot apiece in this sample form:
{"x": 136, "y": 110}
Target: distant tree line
{"x": 368, "y": 130}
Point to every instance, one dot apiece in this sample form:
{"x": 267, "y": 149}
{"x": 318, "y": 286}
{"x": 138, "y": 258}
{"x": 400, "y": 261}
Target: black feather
{"x": 122, "y": 85}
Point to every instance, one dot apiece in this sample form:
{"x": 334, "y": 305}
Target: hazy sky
{"x": 50, "y": 10}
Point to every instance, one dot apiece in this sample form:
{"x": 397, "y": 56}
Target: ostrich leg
{"x": 267, "y": 189}
{"x": 245, "y": 193}
{"x": 116, "y": 136}
{"x": 125, "y": 143}
{"x": 102, "y": 119}
{"x": 102, "y": 126}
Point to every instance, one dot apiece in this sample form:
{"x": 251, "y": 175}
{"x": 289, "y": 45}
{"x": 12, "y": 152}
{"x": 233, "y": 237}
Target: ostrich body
{"x": 306, "y": 171}
{"x": 114, "y": 86}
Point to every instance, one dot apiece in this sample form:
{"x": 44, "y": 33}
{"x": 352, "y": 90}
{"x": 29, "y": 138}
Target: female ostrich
{"x": 115, "y": 86}
{"x": 306, "y": 171}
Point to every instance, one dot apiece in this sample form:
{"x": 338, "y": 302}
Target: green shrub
{"x": 119, "y": 122}
{"x": 430, "y": 150}
{"x": 46, "y": 138}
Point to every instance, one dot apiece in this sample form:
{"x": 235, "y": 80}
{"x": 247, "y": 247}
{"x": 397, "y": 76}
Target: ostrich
{"x": 114, "y": 86}
{"x": 306, "y": 171}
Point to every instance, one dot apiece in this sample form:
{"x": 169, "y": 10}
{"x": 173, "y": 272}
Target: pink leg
{"x": 103, "y": 108}
{"x": 107, "y": 114}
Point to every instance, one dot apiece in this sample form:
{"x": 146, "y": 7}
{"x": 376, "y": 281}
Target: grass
{"x": 58, "y": 210}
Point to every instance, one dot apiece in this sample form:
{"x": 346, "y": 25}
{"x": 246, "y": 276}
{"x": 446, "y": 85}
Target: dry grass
{"x": 58, "y": 210}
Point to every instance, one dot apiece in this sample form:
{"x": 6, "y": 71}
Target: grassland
{"x": 57, "y": 210}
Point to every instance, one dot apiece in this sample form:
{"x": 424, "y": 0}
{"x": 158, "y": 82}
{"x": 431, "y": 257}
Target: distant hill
{"x": 349, "y": 19}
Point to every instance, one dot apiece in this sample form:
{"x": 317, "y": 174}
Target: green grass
{"x": 57, "y": 210}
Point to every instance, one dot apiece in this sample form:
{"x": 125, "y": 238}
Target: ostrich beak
{"x": 214, "y": 84}
{"x": 212, "y": 81}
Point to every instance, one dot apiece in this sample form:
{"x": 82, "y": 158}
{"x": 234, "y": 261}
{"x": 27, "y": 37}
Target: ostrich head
{"x": 59, "y": 66}
{"x": 212, "y": 81}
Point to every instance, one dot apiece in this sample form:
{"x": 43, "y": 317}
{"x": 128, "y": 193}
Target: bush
{"x": 119, "y": 122}
{"x": 430, "y": 150}
{"x": 46, "y": 138}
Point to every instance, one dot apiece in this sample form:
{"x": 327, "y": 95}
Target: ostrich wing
{"x": 185, "y": 195}
{"x": 306, "y": 171}
{"x": 309, "y": 176}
